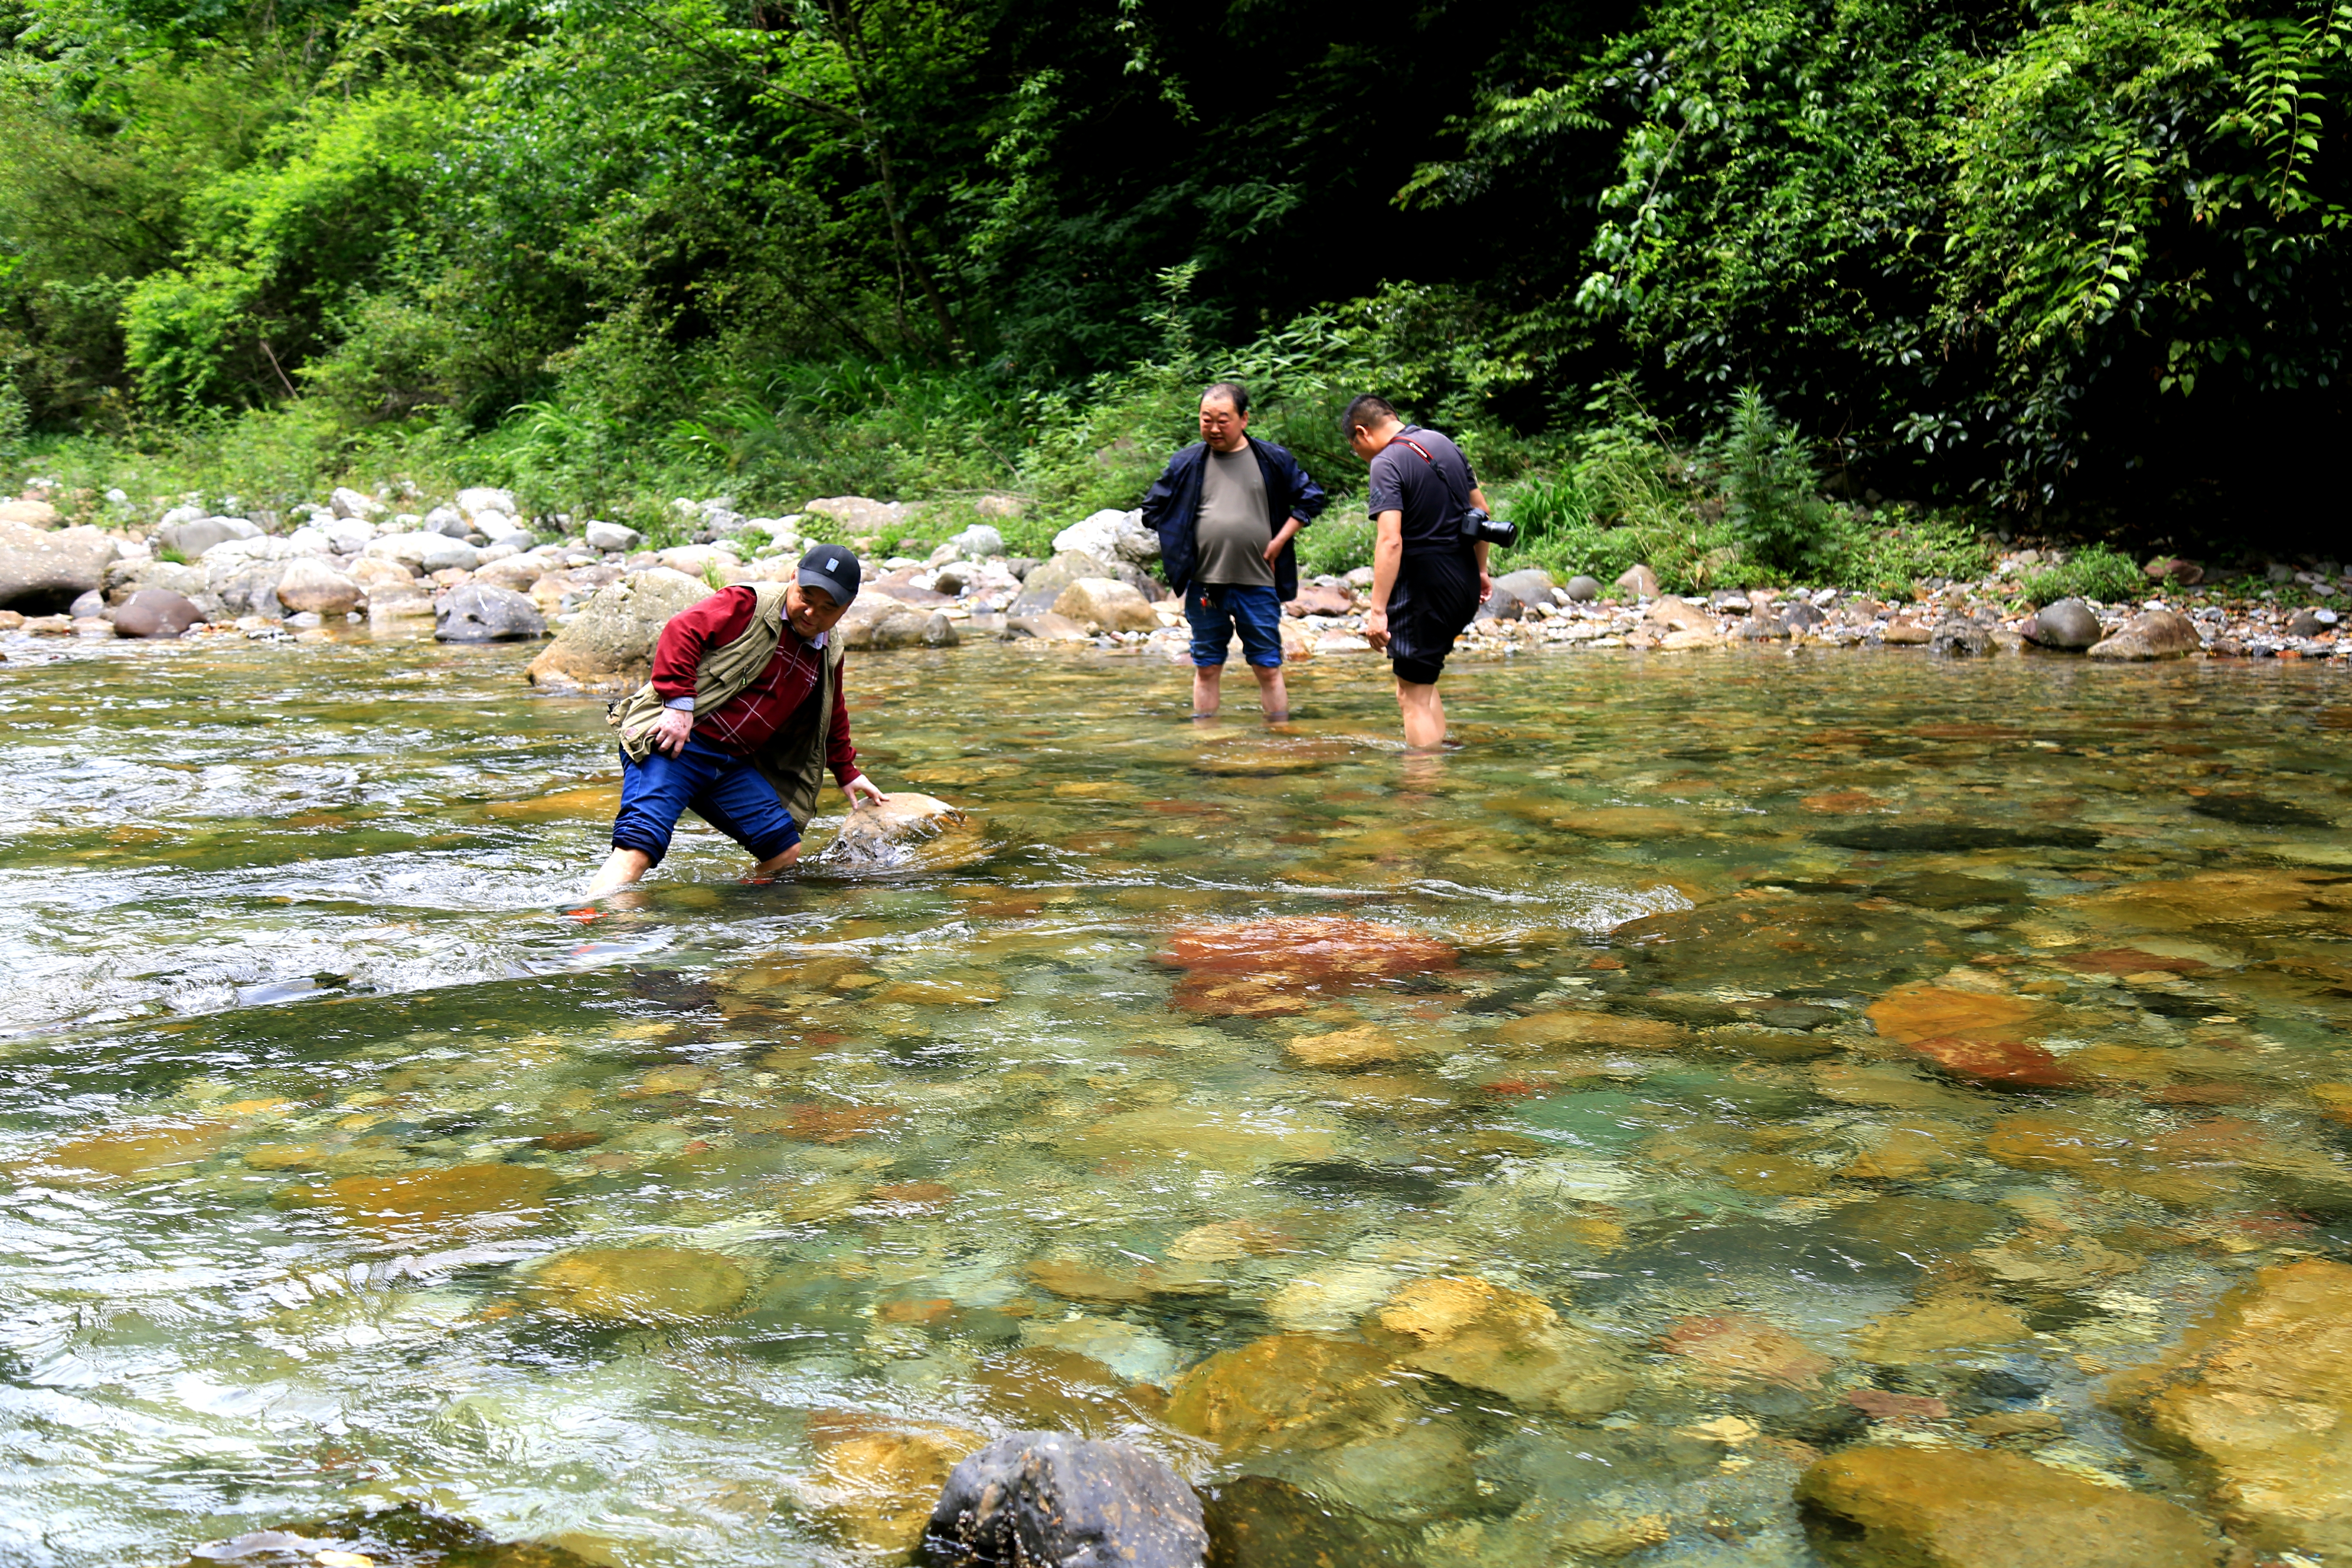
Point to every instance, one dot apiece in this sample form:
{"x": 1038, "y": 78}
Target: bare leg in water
{"x": 1424, "y": 716}
{"x": 621, "y": 868}
{"x": 1208, "y": 691}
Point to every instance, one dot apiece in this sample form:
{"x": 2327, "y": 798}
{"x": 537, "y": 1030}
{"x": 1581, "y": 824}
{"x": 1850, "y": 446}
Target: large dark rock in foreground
{"x": 155, "y": 613}
{"x": 1045, "y": 1498}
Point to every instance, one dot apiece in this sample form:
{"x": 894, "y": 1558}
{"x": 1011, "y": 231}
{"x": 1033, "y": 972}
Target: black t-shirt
{"x": 1432, "y": 502}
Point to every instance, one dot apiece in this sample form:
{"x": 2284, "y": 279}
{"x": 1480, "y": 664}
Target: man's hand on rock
{"x": 672, "y": 731}
{"x": 862, "y": 786}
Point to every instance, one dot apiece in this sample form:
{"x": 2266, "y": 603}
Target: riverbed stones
{"x": 608, "y": 645}
{"x": 2151, "y": 634}
{"x": 1315, "y": 949}
{"x": 877, "y": 1486}
{"x": 611, "y": 536}
{"x": 1106, "y": 604}
{"x": 1958, "y": 637}
{"x": 1285, "y": 1391}
{"x": 1639, "y": 581}
{"x": 1582, "y": 589}
{"x": 639, "y": 1284}
{"x": 1736, "y": 1348}
{"x": 1506, "y": 1341}
{"x": 2259, "y": 1397}
{"x": 429, "y": 1201}
{"x": 1917, "y": 1508}
{"x": 42, "y": 569}
{"x": 310, "y": 585}
{"x": 1530, "y": 588}
{"x": 2068, "y": 623}
{"x": 1050, "y": 1497}
{"x": 156, "y": 613}
{"x": 141, "y": 1152}
{"x": 478, "y": 611}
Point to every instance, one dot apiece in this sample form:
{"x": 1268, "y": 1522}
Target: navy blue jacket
{"x": 1172, "y": 511}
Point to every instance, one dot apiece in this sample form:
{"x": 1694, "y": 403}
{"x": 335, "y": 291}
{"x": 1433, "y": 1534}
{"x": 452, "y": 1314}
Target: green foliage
{"x": 2096, "y": 573}
{"x": 1772, "y": 496}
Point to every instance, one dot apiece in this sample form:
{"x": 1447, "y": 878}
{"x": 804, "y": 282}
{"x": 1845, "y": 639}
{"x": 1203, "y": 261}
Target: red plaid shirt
{"x": 744, "y": 723}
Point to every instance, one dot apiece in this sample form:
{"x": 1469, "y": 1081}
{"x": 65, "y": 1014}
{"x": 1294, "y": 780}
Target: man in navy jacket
{"x": 1226, "y": 509}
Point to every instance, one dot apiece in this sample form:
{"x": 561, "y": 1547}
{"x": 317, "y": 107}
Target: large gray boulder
{"x": 607, "y": 536}
{"x": 192, "y": 539}
{"x": 609, "y": 644}
{"x": 1112, "y": 535}
{"x": 2067, "y": 623}
{"x": 859, "y": 515}
{"x": 1584, "y": 590}
{"x": 876, "y": 622}
{"x": 477, "y": 498}
{"x": 31, "y": 513}
{"x": 43, "y": 570}
{"x": 1109, "y": 603}
{"x": 426, "y": 553}
{"x": 2153, "y": 633}
{"x": 246, "y": 587}
{"x": 1640, "y": 581}
{"x": 1958, "y": 637}
{"x": 475, "y": 612}
{"x": 1045, "y": 1498}
{"x": 1531, "y": 586}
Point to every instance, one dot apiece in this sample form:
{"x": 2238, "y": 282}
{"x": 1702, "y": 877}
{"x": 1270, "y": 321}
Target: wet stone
{"x": 1880, "y": 1507}
{"x": 1048, "y": 1497}
{"x": 1260, "y": 1521}
{"x": 638, "y": 1284}
{"x": 1284, "y": 1390}
{"x": 1506, "y": 1342}
{"x": 426, "y": 1200}
{"x": 876, "y": 1486}
{"x": 2258, "y": 1397}
{"x": 404, "y": 1536}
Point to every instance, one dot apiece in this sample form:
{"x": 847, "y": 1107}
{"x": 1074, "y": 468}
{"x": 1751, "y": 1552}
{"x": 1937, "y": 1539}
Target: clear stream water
{"x": 344, "y": 1169}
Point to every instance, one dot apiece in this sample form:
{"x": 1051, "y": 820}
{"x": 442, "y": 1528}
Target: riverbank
{"x": 473, "y": 569}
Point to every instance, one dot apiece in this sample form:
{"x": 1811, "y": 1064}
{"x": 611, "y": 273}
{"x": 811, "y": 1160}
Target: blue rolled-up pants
{"x": 724, "y": 790}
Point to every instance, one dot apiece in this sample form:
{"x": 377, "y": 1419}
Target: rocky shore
{"x": 473, "y": 569}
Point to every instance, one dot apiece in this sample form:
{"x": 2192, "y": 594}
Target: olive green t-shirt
{"x": 1233, "y": 530}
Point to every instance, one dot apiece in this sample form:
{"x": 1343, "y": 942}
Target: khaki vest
{"x": 792, "y": 762}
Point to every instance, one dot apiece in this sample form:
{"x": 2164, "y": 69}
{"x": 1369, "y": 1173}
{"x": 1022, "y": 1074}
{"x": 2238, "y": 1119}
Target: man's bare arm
{"x": 1388, "y": 555}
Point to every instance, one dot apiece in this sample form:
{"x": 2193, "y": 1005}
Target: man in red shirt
{"x": 731, "y": 735}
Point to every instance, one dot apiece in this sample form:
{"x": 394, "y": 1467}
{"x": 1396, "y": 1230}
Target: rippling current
{"x": 345, "y": 1167}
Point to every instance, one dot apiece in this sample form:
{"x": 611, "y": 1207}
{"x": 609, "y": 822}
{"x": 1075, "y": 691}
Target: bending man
{"x": 1226, "y": 509}
{"x": 1428, "y": 577}
{"x": 743, "y": 714}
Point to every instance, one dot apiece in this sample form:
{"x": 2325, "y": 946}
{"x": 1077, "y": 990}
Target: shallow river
{"x": 1769, "y": 1052}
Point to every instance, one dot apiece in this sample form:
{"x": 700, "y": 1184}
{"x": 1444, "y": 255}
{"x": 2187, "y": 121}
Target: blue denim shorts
{"x": 1217, "y": 610}
{"x": 724, "y": 790}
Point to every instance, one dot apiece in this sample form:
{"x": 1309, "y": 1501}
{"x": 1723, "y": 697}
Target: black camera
{"x": 1477, "y": 527}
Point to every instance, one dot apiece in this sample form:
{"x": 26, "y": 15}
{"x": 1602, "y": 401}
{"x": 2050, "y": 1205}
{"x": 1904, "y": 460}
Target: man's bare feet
{"x": 621, "y": 869}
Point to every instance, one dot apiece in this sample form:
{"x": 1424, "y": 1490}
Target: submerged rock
{"x": 1284, "y": 1390}
{"x": 876, "y": 1486}
{"x": 1318, "y": 949}
{"x": 1916, "y": 1508}
{"x": 432, "y": 1199}
{"x": 1941, "y": 1328}
{"x": 1506, "y": 1342}
{"x": 1258, "y": 1522}
{"x": 1737, "y": 1348}
{"x": 1047, "y": 1497}
{"x": 406, "y": 1536}
{"x": 639, "y": 1284}
{"x": 2260, "y": 1396}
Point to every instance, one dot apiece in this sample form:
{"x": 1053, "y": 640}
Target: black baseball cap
{"x": 834, "y": 569}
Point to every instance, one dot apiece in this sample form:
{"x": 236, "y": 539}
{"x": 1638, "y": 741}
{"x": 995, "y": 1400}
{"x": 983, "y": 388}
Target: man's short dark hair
{"x": 1364, "y": 412}
{"x": 1233, "y": 391}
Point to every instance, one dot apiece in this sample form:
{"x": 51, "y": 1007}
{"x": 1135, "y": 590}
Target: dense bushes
{"x": 2085, "y": 261}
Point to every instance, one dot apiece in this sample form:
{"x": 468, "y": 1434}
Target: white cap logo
{"x": 832, "y": 563}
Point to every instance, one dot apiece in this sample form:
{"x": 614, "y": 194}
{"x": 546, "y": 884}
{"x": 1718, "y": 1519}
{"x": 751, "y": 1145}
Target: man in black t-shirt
{"x": 1428, "y": 577}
